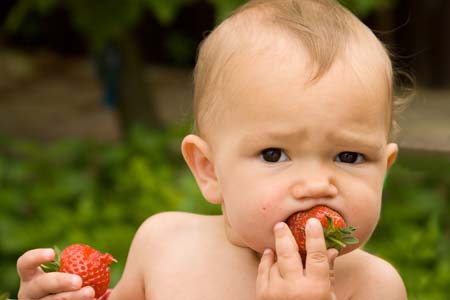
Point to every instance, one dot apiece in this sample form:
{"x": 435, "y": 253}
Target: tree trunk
{"x": 423, "y": 37}
{"x": 135, "y": 104}
{"x": 441, "y": 42}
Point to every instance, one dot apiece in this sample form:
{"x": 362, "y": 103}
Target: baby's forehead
{"x": 251, "y": 37}
{"x": 362, "y": 57}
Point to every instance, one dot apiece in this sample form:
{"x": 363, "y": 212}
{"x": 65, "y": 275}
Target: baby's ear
{"x": 391, "y": 151}
{"x": 197, "y": 154}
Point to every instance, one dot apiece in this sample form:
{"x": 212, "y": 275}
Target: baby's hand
{"x": 285, "y": 278}
{"x": 36, "y": 284}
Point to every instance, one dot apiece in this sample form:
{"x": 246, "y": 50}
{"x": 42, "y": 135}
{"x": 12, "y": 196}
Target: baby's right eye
{"x": 273, "y": 155}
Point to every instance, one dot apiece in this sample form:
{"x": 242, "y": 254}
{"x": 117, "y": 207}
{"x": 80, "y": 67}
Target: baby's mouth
{"x": 318, "y": 212}
{"x": 337, "y": 234}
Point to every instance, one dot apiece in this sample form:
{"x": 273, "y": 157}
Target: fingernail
{"x": 48, "y": 253}
{"x": 267, "y": 251}
{"x": 88, "y": 293}
{"x": 279, "y": 226}
{"x": 75, "y": 281}
{"x": 313, "y": 224}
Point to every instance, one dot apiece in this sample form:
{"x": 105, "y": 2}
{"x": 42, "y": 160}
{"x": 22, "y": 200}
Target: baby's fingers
{"x": 265, "y": 265}
{"x": 317, "y": 261}
{"x": 86, "y": 293}
{"x": 28, "y": 264}
{"x": 50, "y": 283}
{"x": 288, "y": 258}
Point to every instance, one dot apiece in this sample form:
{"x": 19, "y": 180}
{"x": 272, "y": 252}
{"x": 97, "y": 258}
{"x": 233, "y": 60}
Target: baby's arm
{"x": 131, "y": 284}
{"x": 36, "y": 284}
{"x": 139, "y": 265}
{"x": 285, "y": 278}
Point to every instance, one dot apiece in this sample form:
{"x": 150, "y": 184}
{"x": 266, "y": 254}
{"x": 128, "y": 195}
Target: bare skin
{"x": 168, "y": 259}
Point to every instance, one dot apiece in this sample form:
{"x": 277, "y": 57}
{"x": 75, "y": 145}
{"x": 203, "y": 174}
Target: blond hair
{"x": 323, "y": 27}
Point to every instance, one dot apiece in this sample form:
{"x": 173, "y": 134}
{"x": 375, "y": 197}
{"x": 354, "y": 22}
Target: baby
{"x": 293, "y": 109}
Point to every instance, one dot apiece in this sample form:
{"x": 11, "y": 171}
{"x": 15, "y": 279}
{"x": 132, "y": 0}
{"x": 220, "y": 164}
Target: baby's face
{"x": 280, "y": 146}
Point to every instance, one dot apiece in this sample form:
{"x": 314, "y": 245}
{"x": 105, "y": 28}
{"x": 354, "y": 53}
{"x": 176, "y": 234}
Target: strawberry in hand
{"x": 337, "y": 234}
{"x": 86, "y": 262}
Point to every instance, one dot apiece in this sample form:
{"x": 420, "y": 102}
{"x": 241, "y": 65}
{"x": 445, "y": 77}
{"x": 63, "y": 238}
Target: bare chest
{"x": 203, "y": 278}
{"x": 220, "y": 279}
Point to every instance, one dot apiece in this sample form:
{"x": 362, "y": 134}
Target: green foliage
{"x": 414, "y": 230}
{"x": 103, "y": 21}
{"x": 4, "y": 296}
{"x": 224, "y": 7}
{"x": 98, "y": 21}
{"x": 99, "y": 194}
{"x": 362, "y": 8}
{"x": 165, "y": 11}
{"x": 85, "y": 192}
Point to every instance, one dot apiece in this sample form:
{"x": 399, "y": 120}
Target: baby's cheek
{"x": 265, "y": 208}
{"x": 270, "y": 197}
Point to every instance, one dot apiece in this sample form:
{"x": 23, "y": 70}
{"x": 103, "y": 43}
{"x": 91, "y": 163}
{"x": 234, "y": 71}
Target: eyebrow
{"x": 344, "y": 138}
{"x": 272, "y": 136}
{"x": 339, "y": 138}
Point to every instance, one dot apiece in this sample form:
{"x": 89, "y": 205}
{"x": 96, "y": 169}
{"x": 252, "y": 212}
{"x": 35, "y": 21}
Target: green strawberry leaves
{"x": 338, "y": 238}
{"x": 52, "y": 266}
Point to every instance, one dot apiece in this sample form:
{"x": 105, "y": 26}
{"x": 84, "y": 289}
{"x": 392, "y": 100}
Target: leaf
{"x": 349, "y": 240}
{"x": 103, "y": 21}
{"x": 52, "y": 266}
{"x": 362, "y": 8}
{"x": 347, "y": 230}
{"x": 22, "y": 9}
{"x": 4, "y": 296}
{"x": 165, "y": 11}
{"x": 224, "y": 8}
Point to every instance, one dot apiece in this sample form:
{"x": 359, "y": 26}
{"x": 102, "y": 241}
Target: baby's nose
{"x": 314, "y": 189}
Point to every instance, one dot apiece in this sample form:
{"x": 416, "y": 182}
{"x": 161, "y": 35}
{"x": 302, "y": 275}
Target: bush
{"x": 85, "y": 192}
{"x": 99, "y": 194}
{"x": 414, "y": 230}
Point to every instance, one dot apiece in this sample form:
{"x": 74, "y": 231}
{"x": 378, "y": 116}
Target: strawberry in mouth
{"x": 337, "y": 234}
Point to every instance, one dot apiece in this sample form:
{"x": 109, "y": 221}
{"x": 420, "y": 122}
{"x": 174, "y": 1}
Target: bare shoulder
{"x": 169, "y": 225}
{"x": 166, "y": 232}
{"x": 160, "y": 223}
{"x": 371, "y": 277}
{"x": 162, "y": 242}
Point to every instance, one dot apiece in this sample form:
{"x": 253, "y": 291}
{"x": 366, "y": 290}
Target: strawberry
{"x": 91, "y": 265}
{"x": 337, "y": 234}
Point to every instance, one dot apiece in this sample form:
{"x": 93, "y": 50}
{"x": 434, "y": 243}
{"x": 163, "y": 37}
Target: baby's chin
{"x": 251, "y": 241}
{"x": 256, "y": 243}
{"x": 259, "y": 246}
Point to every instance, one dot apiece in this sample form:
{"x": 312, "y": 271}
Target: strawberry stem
{"x": 52, "y": 266}
{"x": 336, "y": 242}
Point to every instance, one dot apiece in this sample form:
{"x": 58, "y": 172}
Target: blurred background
{"x": 95, "y": 98}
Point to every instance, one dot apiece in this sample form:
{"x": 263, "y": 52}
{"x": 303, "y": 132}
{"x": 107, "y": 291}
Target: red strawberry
{"x": 91, "y": 265}
{"x": 337, "y": 234}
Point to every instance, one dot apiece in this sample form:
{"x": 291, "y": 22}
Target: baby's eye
{"x": 273, "y": 155}
{"x": 350, "y": 157}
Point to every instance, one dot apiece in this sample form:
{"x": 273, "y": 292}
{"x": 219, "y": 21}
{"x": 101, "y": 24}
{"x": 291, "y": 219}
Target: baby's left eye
{"x": 273, "y": 155}
{"x": 350, "y": 157}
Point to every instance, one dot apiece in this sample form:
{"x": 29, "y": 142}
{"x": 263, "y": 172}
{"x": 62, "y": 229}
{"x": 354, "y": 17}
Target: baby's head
{"x": 272, "y": 30}
{"x": 293, "y": 108}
